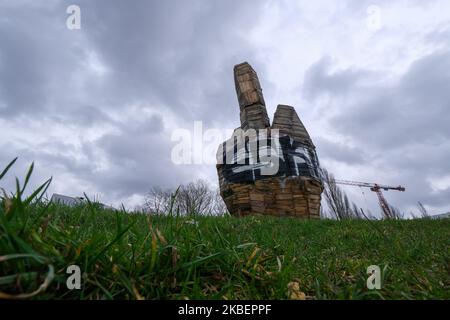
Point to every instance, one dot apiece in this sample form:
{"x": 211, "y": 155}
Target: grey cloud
{"x": 171, "y": 56}
{"x": 137, "y": 161}
{"x": 413, "y": 111}
{"x": 184, "y": 58}
{"x": 84, "y": 116}
{"x": 402, "y": 127}
{"x": 440, "y": 36}
{"x": 36, "y": 59}
{"x": 320, "y": 80}
{"x": 174, "y": 59}
{"x": 327, "y": 149}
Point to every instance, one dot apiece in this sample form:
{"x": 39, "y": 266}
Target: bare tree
{"x": 336, "y": 199}
{"x": 158, "y": 200}
{"x": 394, "y": 213}
{"x": 218, "y": 206}
{"x": 195, "y": 198}
{"x": 357, "y": 213}
{"x": 423, "y": 211}
{"x": 323, "y": 214}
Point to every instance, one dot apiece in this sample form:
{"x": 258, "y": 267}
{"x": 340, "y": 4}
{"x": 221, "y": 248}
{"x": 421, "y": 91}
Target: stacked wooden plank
{"x": 288, "y": 192}
{"x": 291, "y": 196}
{"x": 253, "y": 113}
{"x": 287, "y": 121}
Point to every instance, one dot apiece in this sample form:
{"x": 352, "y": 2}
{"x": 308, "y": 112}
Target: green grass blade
{"x": 117, "y": 238}
{"x": 27, "y": 178}
{"x": 44, "y": 187}
{"x": 7, "y": 168}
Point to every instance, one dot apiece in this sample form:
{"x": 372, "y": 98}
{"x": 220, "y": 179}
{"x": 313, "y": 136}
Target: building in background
{"x": 66, "y": 200}
{"x": 73, "y": 201}
{"x": 440, "y": 216}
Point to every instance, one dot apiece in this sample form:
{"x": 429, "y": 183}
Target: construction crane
{"x": 375, "y": 187}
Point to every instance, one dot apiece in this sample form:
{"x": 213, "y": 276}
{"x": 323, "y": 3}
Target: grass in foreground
{"x": 135, "y": 256}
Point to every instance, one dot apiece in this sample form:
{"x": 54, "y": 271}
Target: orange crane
{"x": 375, "y": 187}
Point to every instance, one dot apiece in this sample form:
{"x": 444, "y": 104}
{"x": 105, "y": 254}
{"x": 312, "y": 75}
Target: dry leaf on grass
{"x": 294, "y": 292}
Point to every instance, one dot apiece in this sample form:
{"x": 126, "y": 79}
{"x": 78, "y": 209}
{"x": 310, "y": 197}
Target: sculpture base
{"x": 294, "y": 196}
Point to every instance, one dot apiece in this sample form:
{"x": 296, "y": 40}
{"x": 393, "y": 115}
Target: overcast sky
{"x": 96, "y": 107}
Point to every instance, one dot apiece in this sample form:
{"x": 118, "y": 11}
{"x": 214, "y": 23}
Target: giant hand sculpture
{"x": 263, "y": 169}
